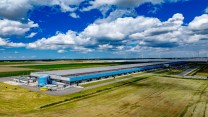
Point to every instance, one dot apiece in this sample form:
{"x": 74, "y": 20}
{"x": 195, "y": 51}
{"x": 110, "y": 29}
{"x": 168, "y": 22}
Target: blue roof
{"x": 112, "y": 73}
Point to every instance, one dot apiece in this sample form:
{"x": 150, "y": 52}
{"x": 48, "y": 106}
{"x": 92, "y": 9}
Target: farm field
{"x": 203, "y": 71}
{"x": 12, "y": 69}
{"x": 16, "y": 63}
{"x": 167, "y": 71}
{"x": 152, "y": 96}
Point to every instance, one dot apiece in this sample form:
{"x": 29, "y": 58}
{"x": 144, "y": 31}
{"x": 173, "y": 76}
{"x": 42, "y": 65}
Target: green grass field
{"x": 151, "y": 96}
{"x": 15, "y": 73}
{"x": 167, "y": 71}
{"x": 203, "y": 71}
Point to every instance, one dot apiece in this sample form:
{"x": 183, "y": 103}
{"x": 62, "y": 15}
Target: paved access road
{"x": 187, "y": 72}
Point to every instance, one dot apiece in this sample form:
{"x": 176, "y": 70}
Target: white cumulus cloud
{"x": 129, "y": 34}
{"x": 14, "y": 9}
{"x": 61, "y": 51}
{"x": 119, "y": 28}
{"x": 17, "y": 9}
{"x": 9, "y": 27}
{"x": 123, "y": 3}
{"x": 58, "y": 41}
{"x": 31, "y": 35}
{"x": 7, "y": 43}
{"x": 74, "y": 15}
{"x": 105, "y": 46}
{"x": 200, "y": 23}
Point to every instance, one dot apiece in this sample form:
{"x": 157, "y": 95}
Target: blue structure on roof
{"x": 119, "y": 72}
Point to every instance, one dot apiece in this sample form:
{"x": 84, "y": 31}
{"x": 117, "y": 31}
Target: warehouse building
{"x": 76, "y": 76}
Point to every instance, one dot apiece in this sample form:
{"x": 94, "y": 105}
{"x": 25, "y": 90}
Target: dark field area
{"x": 15, "y": 73}
{"x": 201, "y": 69}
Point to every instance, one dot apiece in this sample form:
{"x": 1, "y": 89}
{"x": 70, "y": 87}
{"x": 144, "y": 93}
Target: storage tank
{"x": 43, "y": 80}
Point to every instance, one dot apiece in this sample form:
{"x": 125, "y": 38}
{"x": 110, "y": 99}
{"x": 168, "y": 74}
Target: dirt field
{"x": 12, "y": 69}
{"x": 152, "y": 97}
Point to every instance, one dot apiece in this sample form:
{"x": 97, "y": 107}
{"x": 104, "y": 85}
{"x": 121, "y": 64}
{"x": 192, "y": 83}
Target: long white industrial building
{"x": 68, "y": 75}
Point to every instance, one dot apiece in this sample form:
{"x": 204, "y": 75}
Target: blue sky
{"x": 70, "y": 29}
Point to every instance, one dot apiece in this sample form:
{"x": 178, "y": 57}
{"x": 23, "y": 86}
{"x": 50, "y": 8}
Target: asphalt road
{"x": 187, "y": 72}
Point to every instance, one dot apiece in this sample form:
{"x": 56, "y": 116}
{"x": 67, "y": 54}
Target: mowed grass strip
{"x": 71, "y": 66}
